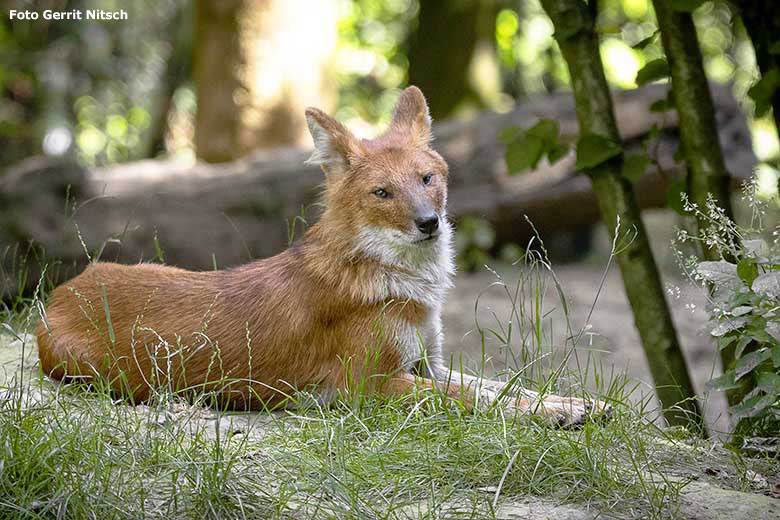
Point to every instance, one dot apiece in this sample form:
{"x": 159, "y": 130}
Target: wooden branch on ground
{"x": 225, "y": 214}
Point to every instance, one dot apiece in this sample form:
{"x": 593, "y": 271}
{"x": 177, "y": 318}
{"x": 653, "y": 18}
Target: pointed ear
{"x": 412, "y": 118}
{"x": 334, "y": 145}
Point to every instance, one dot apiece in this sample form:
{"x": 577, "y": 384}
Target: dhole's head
{"x": 388, "y": 193}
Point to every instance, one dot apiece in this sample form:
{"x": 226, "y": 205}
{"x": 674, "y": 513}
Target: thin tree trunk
{"x": 217, "y": 64}
{"x": 435, "y": 54}
{"x": 574, "y": 28}
{"x": 762, "y": 21}
{"x": 707, "y": 174}
{"x": 432, "y": 56}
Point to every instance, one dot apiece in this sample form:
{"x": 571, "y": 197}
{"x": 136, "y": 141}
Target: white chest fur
{"x": 421, "y": 274}
{"x": 420, "y": 343}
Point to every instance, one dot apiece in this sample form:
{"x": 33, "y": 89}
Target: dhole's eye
{"x": 381, "y": 193}
{"x": 427, "y": 178}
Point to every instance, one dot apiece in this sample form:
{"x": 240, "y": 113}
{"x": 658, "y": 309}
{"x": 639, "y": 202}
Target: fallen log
{"x": 201, "y": 216}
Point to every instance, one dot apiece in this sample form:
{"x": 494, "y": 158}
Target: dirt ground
{"x": 611, "y": 339}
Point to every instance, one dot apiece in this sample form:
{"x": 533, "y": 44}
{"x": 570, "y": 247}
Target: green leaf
{"x": 741, "y": 298}
{"x": 724, "y": 326}
{"x": 674, "y": 196}
{"x": 557, "y": 152}
{"x": 767, "y": 284}
{"x": 641, "y": 44}
{"x": 652, "y": 71}
{"x": 509, "y": 134}
{"x": 594, "y": 149}
{"x": 762, "y": 91}
{"x": 111, "y": 334}
{"x": 775, "y": 48}
{"x": 662, "y": 105}
{"x": 747, "y": 270}
{"x": 719, "y": 272}
{"x": 743, "y": 342}
{"x": 776, "y": 356}
{"x": 755, "y": 247}
{"x": 724, "y": 382}
{"x": 634, "y": 166}
{"x": 725, "y": 341}
{"x": 546, "y": 130}
{"x": 756, "y": 329}
{"x": 769, "y": 383}
{"x": 750, "y": 361}
{"x": 751, "y": 406}
{"x": 741, "y": 310}
{"x": 524, "y": 153}
{"x": 685, "y": 6}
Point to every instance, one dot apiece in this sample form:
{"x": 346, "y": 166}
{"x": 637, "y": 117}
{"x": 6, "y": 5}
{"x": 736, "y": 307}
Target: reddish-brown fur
{"x": 346, "y": 303}
{"x": 301, "y": 316}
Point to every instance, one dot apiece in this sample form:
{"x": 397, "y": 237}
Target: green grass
{"x": 67, "y": 452}
{"x": 71, "y": 453}
{"x": 82, "y": 455}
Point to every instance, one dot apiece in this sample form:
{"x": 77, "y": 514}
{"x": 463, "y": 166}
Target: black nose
{"x": 428, "y": 225}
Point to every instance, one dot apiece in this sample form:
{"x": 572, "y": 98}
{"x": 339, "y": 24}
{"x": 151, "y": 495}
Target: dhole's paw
{"x": 572, "y": 412}
{"x": 566, "y": 412}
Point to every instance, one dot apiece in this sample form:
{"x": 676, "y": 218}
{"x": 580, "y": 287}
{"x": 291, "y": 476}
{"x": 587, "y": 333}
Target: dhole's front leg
{"x": 564, "y": 411}
{"x": 476, "y": 393}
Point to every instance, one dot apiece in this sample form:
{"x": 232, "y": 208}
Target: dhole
{"x": 358, "y": 298}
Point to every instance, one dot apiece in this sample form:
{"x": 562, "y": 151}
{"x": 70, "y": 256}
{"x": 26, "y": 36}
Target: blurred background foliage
{"x": 85, "y": 88}
{"x": 108, "y": 92}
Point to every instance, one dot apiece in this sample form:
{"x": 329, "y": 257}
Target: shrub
{"x": 744, "y": 310}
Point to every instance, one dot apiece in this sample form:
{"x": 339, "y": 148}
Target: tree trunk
{"x": 217, "y": 60}
{"x": 574, "y": 26}
{"x": 257, "y": 66}
{"x": 435, "y": 54}
{"x": 762, "y": 21}
{"x": 707, "y": 174}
